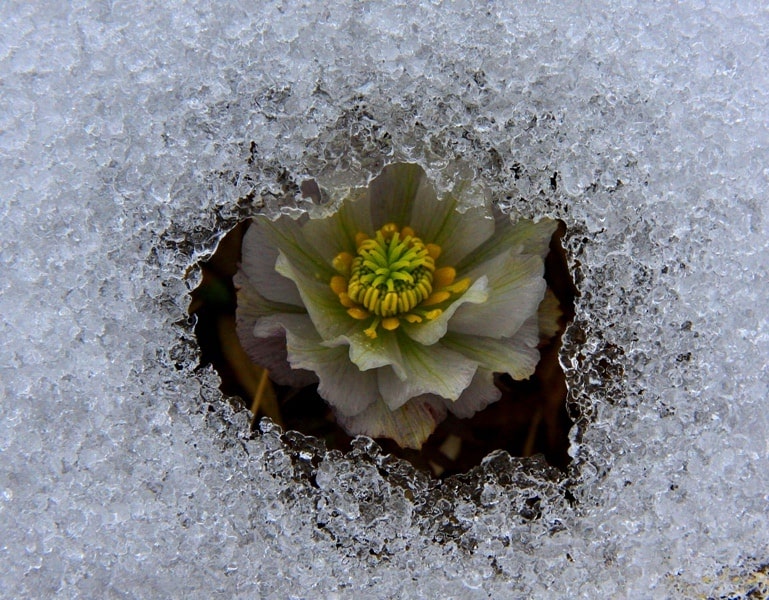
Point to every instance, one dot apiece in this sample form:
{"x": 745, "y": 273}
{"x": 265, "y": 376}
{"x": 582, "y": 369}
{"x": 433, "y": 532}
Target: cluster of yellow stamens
{"x": 393, "y": 277}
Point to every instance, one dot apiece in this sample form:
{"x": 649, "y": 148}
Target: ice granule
{"x": 130, "y": 132}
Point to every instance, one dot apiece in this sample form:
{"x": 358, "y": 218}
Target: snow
{"x": 129, "y": 134}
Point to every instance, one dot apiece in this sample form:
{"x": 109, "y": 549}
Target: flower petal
{"x": 479, "y": 394}
{"x": 285, "y": 234}
{"x": 395, "y": 190}
{"x": 257, "y": 264}
{"x": 518, "y": 356}
{"x": 329, "y": 316}
{"x": 516, "y": 289}
{"x": 435, "y": 370}
{"x": 368, "y": 354}
{"x": 268, "y": 348}
{"x": 457, "y": 233}
{"x": 409, "y": 426}
{"x": 429, "y": 332}
{"x": 533, "y": 238}
{"x": 335, "y": 232}
{"x": 345, "y": 387}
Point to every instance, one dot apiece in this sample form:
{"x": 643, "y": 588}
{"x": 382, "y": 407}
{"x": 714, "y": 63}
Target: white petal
{"x": 457, "y": 233}
{"x": 528, "y": 236}
{"x": 549, "y": 312}
{"x": 395, "y": 190}
{"x": 479, "y": 394}
{"x": 409, "y": 426}
{"x": 335, "y": 232}
{"x": 286, "y": 234}
{"x": 268, "y": 350}
{"x": 518, "y": 356}
{"x": 368, "y": 354}
{"x": 257, "y": 265}
{"x": 429, "y": 370}
{"x": 516, "y": 289}
{"x": 329, "y": 316}
{"x": 345, "y": 387}
{"x": 429, "y": 332}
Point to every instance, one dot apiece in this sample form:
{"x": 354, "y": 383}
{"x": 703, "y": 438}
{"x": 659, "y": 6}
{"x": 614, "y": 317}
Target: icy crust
{"x": 134, "y": 137}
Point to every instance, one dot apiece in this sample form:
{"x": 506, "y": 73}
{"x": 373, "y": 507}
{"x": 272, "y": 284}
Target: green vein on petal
{"x": 329, "y": 316}
{"x": 367, "y": 353}
{"x": 286, "y": 235}
{"x": 435, "y": 369}
{"x": 516, "y": 287}
{"x": 533, "y": 238}
{"x": 409, "y": 426}
{"x": 392, "y": 193}
{"x": 430, "y": 332}
{"x": 348, "y": 389}
{"x": 335, "y": 233}
{"x": 514, "y": 356}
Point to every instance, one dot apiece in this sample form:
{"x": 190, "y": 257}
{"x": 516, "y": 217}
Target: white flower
{"x": 399, "y": 305}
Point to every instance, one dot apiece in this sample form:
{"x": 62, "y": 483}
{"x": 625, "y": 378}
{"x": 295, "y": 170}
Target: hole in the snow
{"x": 530, "y": 418}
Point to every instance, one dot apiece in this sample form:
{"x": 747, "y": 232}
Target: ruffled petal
{"x": 435, "y": 369}
{"x": 429, "y": 332}
{"x": 263, "y": 339}
{"x": 516, "y": 289}
{"x": 368, "y": 354}
{"x": 287, "y": 235}
{"x": 457, "y": 233}
{"x": 518, "y": 356}
{"x": 257, "y": 264}
{"x": 394, "y": 192}
{"x": 409, "y": 426}
{"x": 335, "y": 232}
{"x": 530, "y": 237}
{"x": 479, "y": 394}
{"x": 329, "y": 316}
{"x": 345, "y": 387}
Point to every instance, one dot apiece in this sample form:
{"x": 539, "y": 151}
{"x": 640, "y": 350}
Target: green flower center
{"x": 393, "y": 277}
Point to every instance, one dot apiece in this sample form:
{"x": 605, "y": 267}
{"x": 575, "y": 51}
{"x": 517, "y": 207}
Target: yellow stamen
{"x": 407, "y": 231}
{"x": 371, "y": 331}
{"x": 358, "y": 313}
{"x": 412, "y": 318}
{"x": 459, "y": 287}
{"x": 360, "y": 237}
{"x": 436, "y": 298}
{"x": 444, "y": 276}
{"x": 346, "y": 301}
{"x": 338, "y": 284}
{"x": 388, "y": 229}
{"x": 433, "y": 314}
{"x": 434, "y": 250}
{"x": 391, "y": 323}
{"x": 342, "y": 262}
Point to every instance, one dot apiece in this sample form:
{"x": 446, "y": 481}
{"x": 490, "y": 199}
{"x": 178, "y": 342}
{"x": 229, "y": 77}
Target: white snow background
{"x": 128, "y": 132}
